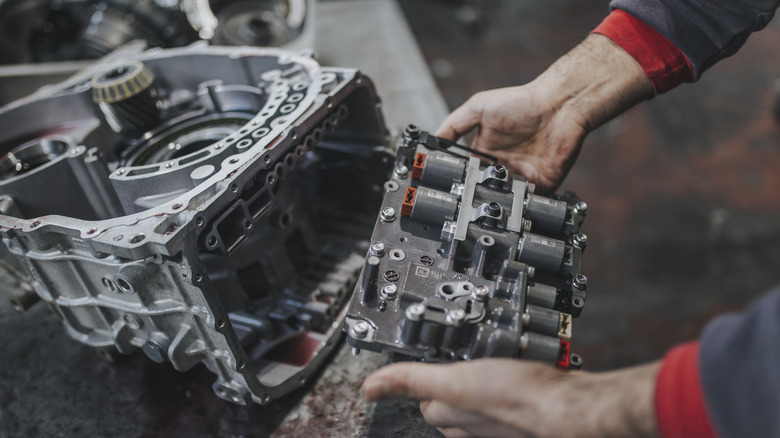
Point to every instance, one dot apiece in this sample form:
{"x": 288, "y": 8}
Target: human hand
{"x": 509, "y": 397}
{"x": 525, "y": 132}
{"x": 537, "y": 129}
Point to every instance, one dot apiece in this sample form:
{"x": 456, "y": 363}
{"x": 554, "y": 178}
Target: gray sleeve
{"x": 706, "y": 31}
{"x": 739, "y": 362}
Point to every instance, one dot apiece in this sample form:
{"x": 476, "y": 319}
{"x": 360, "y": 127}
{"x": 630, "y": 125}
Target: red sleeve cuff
{"x": 664, "y": 64}
{"x": 679, "y": 399}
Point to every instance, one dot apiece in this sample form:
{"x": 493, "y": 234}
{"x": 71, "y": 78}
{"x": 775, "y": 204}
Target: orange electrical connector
{"x": 419, "y": 164}
{"x": 406, "y": 207}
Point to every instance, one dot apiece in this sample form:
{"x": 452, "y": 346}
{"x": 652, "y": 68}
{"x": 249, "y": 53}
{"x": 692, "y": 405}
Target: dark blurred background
{"x": 684, "y": 190}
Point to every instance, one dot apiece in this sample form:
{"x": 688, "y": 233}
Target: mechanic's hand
{"x": 527, "y": 134}
{"x": 537, "y": 129}
{"x": 507, "y": 397}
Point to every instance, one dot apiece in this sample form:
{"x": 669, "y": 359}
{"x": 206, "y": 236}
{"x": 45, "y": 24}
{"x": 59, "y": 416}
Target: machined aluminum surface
{"x": 217, "y": 216}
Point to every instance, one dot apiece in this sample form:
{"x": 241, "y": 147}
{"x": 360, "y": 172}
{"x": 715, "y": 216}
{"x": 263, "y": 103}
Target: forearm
{"x": 594, "y": 82}
{"x": 615, "y": 404}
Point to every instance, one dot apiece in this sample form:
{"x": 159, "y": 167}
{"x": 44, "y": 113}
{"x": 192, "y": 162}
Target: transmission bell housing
{"x": 197, "y": 204}
{"x": 467, "y": 262}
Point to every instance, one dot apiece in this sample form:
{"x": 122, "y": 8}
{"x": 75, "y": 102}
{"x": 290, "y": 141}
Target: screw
{"x": 494, "y": 209}
{"x": 390, "y": 291}
{"x": 456, "y": 316}
{"x": 499, "y": 171}
{"x": 581, "y": 239}
{"x": 388, "y": 214}
{"x": 377, "y": 249}
{"x": 391, "y": 276}
{"x": 360, "y": 330}
{"x": 412, "y": 131}
{"x": 155, "y": 351}
{"x": 481, "y": 293}
{"x": 581, "y": 207}
{"x": 415, "y": 312}
{"x": 426, "y": 260}
{"x": 580, "y": 282}
{"x": 402, "y": 171}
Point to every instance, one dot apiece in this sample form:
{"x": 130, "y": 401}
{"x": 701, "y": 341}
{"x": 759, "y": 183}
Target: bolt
{"x": 412, "y": 131}
{"x": 360, "y": 330}
{"x": 377, "y": 249}
{"x": 581, "y": 239}
{"x": 581, "y": 207}
{"x": 401, "y": 171}
{"x": 391, "y": 276}
{"x": 580, "y": 282}
{"x": 456, "y": 316}
{"x": 494, "y": 209}
{"x": 388, "y": 214}
{"x": 426, "y": 260}
{"x": 155, "y": 351}
{"x": 415, "y": 312}
{"x": 390, "y": 291}
{"x": 481, "y": 293}
{"x": 499, "y": 171}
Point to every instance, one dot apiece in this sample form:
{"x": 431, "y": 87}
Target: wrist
{"x": 594, "y": 82}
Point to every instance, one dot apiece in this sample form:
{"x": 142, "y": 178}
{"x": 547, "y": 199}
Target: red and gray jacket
{"x": 727, "y": 384}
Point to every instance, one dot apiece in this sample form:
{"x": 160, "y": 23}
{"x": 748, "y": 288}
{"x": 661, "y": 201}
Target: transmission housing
{"x": 203, "y": 205}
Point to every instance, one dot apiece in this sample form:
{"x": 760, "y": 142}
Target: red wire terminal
{"x": 406, "y": 208}
{"x": 419, "y": 164}
{"x": 564, "y": 355}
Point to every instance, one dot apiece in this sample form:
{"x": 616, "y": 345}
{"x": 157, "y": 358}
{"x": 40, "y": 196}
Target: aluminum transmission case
{"x": 205, "y": 205}
{"x": 467, "y": 262}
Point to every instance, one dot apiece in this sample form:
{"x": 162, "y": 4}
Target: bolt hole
{"x": 221, "y": 323}
{"x": 447, "y": 289}
{"x": 404, "y": 240}
{"x": 440, "y": 251}
{"x": 92, "y": 231}
{"x": 35, "y": 224}
{"x": 234, "y": 188}
{"x": 212, "y": 241}
{"x": 199, "y": 221}
{"x": 137, "y": 238}
{"x": 177, "y": 206}
{"x": 124, "y": 285}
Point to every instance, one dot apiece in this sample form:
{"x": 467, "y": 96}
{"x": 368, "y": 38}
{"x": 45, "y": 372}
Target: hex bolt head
{"x": 581, "y": 207}
{"x": 456, "y": 316}
{"x": 415, "y": 312}
{"x": 377, "y": 249}
{"x": 401, "y": 171}
{"x": 412, "y": 131}
{"x": 580, "y": 239}
{"x": 494, "y": 209}
{"x": 481, "y": 293}
{"x": 155, "y": 351}
{"x": 580, "y": 282}
{"x": 499, "y": 171}
{"x": 390, "y": 291}
{"x": 388, "y": 214}
{"x": 360, "y": 330}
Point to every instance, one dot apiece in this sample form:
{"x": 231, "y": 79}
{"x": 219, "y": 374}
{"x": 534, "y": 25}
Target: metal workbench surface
{"x": 50, "y": 385}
